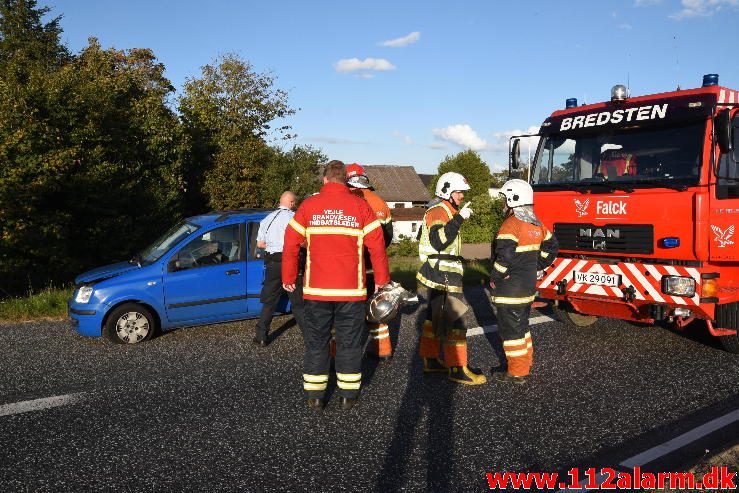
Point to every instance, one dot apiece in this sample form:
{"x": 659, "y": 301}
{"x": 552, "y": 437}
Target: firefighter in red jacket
{"x": 522, "y": 247}
{"x": 356, "y": 178}
{"x": 440, "y": 277}
{"x": 336, "y": 225}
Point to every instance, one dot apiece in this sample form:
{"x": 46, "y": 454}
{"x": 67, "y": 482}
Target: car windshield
{"x": 632, "y": 157}
{"x": 169, "y": 239}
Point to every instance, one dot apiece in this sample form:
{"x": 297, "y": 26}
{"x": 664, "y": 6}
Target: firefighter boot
{"x": 506, "y": 377}
{"x": 433, "y": 365}
{"x": 466, "y": 375}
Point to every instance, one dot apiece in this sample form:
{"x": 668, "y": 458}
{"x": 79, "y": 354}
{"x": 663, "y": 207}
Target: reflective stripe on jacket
{"x": 520, "y": 250}
{"x": 336, "y": 225}
{"x": 440, "y": 248}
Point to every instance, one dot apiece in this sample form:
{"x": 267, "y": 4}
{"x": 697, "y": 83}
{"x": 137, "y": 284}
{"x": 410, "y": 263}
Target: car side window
{"x": 217, "y": 246}
{"x": 252, "y": 230}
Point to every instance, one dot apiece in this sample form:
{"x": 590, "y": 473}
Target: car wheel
{"x": 130, "y": 323}
{"x": 568, "y": 316}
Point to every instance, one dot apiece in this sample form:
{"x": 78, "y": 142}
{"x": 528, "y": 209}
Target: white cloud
{"x": 357, "y": 65}
{"x": 404, "y": 41}
{"x": 462, "y": 135}
{"x": 702, "y": 8}
{"x": 625, "y": 26}
{"x": 405, "y": 138}
{"x": 644, "y": 3}
{"x": 528, "y": 144}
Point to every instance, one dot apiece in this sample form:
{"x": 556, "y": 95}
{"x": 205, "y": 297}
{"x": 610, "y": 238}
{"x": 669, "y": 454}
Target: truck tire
{"x": 130, "y": 323}
{"x": 727, "y": 316}
{"x": 568, "y": 316}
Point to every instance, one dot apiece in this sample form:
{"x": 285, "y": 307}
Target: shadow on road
{"x": 425, "y": 419}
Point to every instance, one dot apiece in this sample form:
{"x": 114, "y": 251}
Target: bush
{"x": 406, "y": 247}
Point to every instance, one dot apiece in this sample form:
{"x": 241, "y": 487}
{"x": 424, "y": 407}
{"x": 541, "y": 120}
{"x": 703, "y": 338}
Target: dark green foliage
{"x": 488, "y": 213}
{"x": 95, "y": 164}
{"x": 89, "y": 152}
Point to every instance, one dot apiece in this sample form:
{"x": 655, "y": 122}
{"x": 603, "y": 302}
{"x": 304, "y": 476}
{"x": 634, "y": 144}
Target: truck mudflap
{"x": 631, "y": 284}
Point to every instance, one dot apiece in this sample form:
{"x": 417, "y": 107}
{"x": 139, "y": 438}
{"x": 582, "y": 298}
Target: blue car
{"x": 203, "y": 270}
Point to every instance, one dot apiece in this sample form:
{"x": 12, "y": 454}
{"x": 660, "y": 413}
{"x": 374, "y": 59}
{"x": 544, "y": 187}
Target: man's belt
{"x": 446, "y": 256}
{"x": 273, "y": 257}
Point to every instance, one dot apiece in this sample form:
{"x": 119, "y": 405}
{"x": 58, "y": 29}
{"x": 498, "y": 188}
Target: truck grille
{"x": 610, "y": 238}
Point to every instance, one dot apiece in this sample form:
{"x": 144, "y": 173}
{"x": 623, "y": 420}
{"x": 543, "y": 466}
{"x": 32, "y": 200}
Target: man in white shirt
{"x": 270, "y": 237}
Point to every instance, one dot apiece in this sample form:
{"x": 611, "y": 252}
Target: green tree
{"x": 228, "y": 114}
{"x": 471, "y": 166}
{"x": 296, "y": 170}
{"x": 90, "y": 158}
{"x": 487, "y": 212}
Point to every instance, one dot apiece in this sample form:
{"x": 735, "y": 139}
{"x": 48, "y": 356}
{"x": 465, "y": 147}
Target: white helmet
{"x": 517, "y": 193}
{"x": 450, "y": 182}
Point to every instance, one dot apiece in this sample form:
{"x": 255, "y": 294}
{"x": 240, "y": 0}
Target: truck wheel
{"x": 730, "y": 343}
{"x": 568, "y": 316}
{"x": 727, "y": 315}
{"x": 130, "y": 323}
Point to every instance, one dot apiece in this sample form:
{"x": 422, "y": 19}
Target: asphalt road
{"x": 201, "y": 409}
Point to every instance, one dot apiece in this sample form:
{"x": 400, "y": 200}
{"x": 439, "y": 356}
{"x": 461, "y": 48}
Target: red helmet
{"x": 356, "y": 176}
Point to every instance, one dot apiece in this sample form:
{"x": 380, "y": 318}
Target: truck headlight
{"x": 678, "y": 286}
{"x": 83, "y": 294}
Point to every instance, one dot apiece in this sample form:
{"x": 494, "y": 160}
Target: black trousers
{"x": 513, "y": 320}
{"x": 270, "y": 296}
{"x": 348, "y": 318}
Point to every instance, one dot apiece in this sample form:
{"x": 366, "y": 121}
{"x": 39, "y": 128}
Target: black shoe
{"x": 506, "y": 377}
{"x": 260, "y": 342}
{"x": 316, "y": 404}
{"x": 347, "y": 403}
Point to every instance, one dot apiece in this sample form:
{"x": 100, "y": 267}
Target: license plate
{"x": 597, "y": 279}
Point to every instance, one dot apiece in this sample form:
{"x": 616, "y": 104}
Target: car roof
{"x": 236, "y": 215}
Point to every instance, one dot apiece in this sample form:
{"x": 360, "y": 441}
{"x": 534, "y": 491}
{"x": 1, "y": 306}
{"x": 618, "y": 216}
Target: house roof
{"x": 426, "y": 179}
{"x": 397, "y": 183}
{"x": 407, "y": 214}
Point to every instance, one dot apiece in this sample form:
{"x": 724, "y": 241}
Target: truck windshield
{"x": 635, "y": 157}
{"x": 169, "y": 239}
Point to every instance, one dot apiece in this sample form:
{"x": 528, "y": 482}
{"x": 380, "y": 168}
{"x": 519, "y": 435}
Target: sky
{"x": 409, "y": 82}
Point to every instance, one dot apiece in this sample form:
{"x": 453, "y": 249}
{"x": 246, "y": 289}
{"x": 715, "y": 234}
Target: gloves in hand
{"x": 466, "y": 211}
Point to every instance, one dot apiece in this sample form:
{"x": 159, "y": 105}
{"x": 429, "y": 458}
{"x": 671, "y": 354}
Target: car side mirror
{"x": 516, "y": 154}
{"x": 722, "y": 129}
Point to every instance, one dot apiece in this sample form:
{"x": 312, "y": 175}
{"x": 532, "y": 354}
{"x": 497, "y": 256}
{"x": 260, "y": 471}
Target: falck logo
{"x": 722, "y": 235}
{"x": 582, "y": 207}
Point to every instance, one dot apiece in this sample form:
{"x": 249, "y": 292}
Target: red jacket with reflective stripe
{"x": 336, "y": 225}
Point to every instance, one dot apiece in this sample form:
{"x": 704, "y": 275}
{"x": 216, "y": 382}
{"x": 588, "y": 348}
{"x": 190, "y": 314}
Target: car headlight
{"x": 678, "y": 286}
{"x": 83, "y": 294}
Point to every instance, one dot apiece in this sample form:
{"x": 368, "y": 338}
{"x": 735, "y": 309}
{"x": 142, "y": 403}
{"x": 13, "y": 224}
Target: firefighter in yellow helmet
{"x": 522, "y": 247}
{"x": 440, "y": 278}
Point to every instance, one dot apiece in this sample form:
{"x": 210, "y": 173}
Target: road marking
{"x": 670, "y": 446}
{"x": 485, "y": 329}
{"x": 39, "y": 404}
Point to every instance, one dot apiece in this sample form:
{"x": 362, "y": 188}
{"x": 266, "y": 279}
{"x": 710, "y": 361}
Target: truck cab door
{"x": 724, "y": 217}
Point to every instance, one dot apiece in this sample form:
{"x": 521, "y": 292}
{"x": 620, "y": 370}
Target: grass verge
{"x": 403, "y": 270}
{"x": 45, "y": 304}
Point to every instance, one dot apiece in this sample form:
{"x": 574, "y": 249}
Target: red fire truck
{"x": 642, "y": 194}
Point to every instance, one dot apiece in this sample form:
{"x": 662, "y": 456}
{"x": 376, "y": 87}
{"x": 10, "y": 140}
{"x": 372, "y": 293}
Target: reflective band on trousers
{"x": 454, "y": 248}
{"x": 349, "y": 381}
{"x": 513, "y": 301}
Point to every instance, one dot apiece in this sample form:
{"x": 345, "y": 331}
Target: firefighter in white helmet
{"x": 522, "y": 247}
{"x": 440, "y": 277}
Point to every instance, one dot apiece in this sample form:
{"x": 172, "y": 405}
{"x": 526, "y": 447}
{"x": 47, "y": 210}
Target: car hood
{"x": 106, "y": 272}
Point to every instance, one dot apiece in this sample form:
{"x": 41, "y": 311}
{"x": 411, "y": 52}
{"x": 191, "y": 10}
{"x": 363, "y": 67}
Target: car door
{"x": 254, "y": 269}
{"x": 206, "y": 278}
